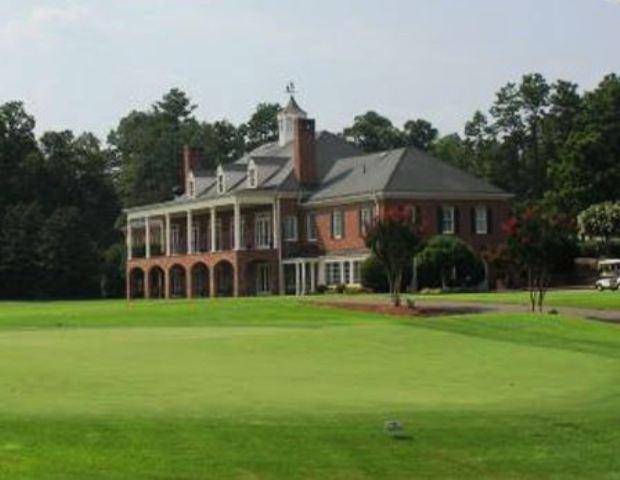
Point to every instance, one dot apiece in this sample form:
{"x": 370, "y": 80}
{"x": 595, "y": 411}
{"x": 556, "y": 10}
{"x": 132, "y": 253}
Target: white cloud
{"x": 40, "y": 23}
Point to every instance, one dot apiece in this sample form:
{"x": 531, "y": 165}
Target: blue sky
{"x": 84, "y": 64}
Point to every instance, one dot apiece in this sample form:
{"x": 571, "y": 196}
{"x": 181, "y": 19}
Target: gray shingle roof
{"x": 407, "y": 170}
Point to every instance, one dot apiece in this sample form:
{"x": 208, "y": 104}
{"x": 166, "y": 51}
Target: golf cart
{"x": 609, "y": 275}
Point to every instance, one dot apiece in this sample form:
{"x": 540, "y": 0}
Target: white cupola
{"x": 286, "y": 121}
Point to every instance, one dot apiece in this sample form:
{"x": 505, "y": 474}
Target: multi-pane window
{"x": 219, "y": 235}
{"x": 175, "y": 239}
{"x": 357, "y": 272}
{"x": 263, "y": 231}
{"x": 311, "y": 232}
{"x": 365, "y": 219}
{"x": 337, "y": 224}
{"x": 252, "y": 178}
{"x": 289, "y": 227}
{"x": 482, "y": 220}
{"x": 332, "y": 273}
{"x": 242, "y": 239}
{"x": 447, "y": 220}
{"x": 195, "y": 237}
{"x": 220, "y": 183}
{"x": 346, "y": 272}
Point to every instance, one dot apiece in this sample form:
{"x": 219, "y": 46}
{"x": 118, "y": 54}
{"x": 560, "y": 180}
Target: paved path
{"x": 589, "y": 313}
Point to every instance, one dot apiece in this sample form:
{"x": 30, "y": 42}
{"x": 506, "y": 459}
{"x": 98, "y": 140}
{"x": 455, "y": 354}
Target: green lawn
{"x": 274, "y": 388}
{"x": 606, "y": 300}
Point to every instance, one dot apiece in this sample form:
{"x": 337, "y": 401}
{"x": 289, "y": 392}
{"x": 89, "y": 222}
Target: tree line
{"x": 61, "y": 194}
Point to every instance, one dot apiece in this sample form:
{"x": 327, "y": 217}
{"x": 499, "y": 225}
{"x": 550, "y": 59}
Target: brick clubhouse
{"x": 291, "y": 215}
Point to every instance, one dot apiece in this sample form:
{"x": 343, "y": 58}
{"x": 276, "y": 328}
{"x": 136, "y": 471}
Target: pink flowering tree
{"x": 393, "y": 239}
{"x": 533, "y": 239}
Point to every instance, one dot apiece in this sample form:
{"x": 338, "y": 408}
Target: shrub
{"x": 449, "y": 262}
{"x": 340, "y": 288}
{"x": 321, "y": 289}
{"x": 374, "y": 277}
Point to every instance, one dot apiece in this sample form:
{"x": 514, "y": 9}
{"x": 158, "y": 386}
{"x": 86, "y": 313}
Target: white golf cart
{"x": 609, "y": 275}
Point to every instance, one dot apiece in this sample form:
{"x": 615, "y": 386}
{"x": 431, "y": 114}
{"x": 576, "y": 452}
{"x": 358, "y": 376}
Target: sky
{"x": 83, "y": 65}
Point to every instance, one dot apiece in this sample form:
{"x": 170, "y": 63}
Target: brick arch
{"x": 200, "y": 280}
{"x": 157, "y": 281}
{"x": 136, "y": 282}
{"x": 224, "y": 278}
{"x": 177, "y": 281}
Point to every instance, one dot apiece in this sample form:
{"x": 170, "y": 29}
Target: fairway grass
{"x": 588, "y": 299}
{"x": 275, "y": 388}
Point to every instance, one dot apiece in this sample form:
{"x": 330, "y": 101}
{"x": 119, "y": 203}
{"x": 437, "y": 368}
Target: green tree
{"x": 373, "y": 133}
{"x": 535, "y": 238}
{"x": 420, "y": 133}
{"x": 262, "y": 127}
{"x": 393, "y": 241}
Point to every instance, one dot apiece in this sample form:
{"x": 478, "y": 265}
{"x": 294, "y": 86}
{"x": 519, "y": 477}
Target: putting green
{"x": 277, "y": 389}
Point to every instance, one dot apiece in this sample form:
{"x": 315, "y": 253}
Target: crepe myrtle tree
{"x": 534, "y": 237}
{"x": 393, "y": 240}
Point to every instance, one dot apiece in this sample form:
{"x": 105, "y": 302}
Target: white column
{"x": 342, "y": 279}
{"x": 168, "y": 246}
{"x": 313, "y": 277}
{"x": 276, "y": 224}
{"x": 237, "y": 226}
{"x": 212, "y": 229}
{"x": 190, "y": 243}
{"x": 297, "y": 286}
{"x": 147, "y": 237}
{"x": 303, "y": 277}
{"x": 321, "y": 272}
{"x": 162, "y": 238}
{"x": 351, "y": 275}
{"x": 129, "y": 241}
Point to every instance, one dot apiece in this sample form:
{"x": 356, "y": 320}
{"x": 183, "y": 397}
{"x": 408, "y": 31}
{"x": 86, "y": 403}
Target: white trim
{"x": 290, "y": 228}
{"x": 311, "y": 227}
{"x": 484, "y": 220}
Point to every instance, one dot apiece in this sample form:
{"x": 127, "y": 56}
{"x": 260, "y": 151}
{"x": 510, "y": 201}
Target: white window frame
{"x": 263, "y": 279}
{"x": 333, "y": 273}
{"x": 481, "y": 220}
{"x": 252, "y": 177}
{"x": 448, "y": 222}
{"x": 337, "y": 226}
{"x": 263, "y": 231}
{"x": 219, "y": 235}
{"x": 289, "y": 228}
{"x": 365, "y": 219}
{"x": 311, "y": 228}
{"x": 195, "y": 237}
{"x": 175, "y": 239}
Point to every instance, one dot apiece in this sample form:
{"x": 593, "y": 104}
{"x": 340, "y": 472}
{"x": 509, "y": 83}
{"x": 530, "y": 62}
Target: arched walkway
{"x": 136, "y": 283}
{"x": 200, "y": 280}
{"x": 157, "y": 283}
{"x": 178, "y": 282}
{"x": 224, "y": 279}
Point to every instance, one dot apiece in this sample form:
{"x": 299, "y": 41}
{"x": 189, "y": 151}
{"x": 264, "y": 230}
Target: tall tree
{"x": 420, "y": 133}
{"x": 373, "y": 132}
{"x": 262, "y": 127}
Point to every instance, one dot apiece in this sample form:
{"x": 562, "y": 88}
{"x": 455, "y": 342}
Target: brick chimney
{"x": 192, "y": 161}
{"x": 304, "y": 163}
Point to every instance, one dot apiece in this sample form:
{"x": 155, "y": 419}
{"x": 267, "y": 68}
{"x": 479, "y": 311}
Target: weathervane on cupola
{"x": 288, "y": 115}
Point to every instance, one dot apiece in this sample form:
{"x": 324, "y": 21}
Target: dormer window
{"x": 220, "y": 183}
{"x": 252, "y": 177}
{"x": 192, "y": 188}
